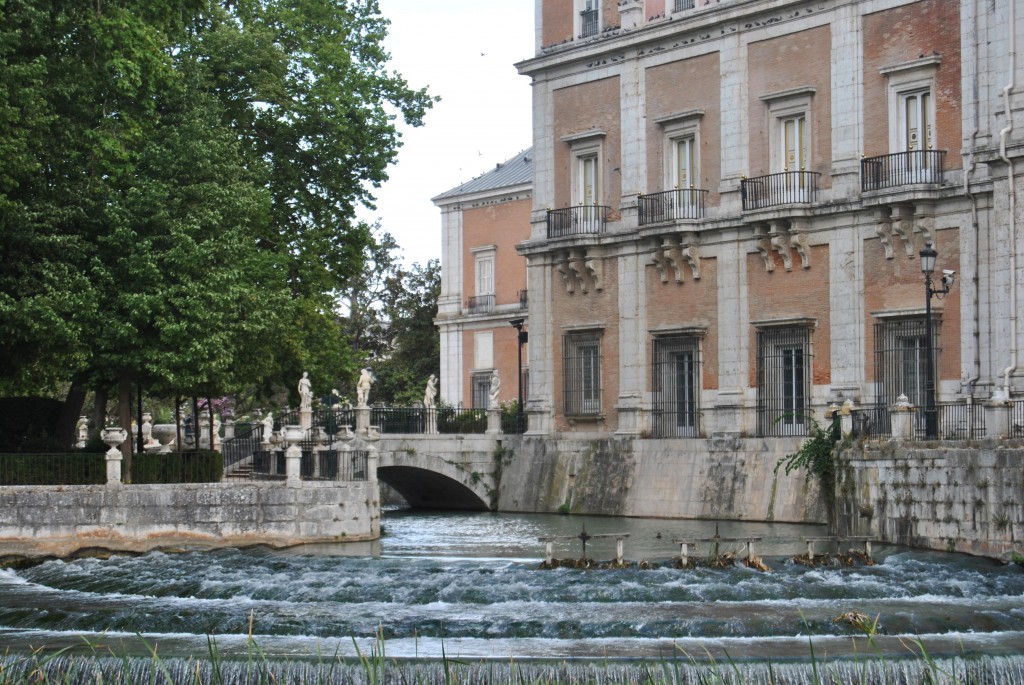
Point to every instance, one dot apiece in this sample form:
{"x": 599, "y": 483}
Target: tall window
{"x": 485, "y": 275}
{"x": 783, "y": 375}
{"x": 581, "y": 372}
{"x": 915, "y": 124}
{"x": 590, "y": 18}
{"x": 587, "y": 179}
{"x": 676, "y": 386}
{"x": 481, "y": 390}
{"x": 684, "y": 162}
{"x": 793, "y": 131}
{"x": 901, "y": 360}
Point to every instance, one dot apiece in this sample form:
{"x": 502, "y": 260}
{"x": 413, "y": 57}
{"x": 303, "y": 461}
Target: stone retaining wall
{"x": 952, "y": 496}
{"x": 59, "y": 520}
{"x": 715, "y": 478}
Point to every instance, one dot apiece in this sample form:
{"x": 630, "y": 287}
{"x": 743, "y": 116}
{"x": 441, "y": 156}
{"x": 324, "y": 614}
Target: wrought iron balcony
{"x": 682, "y": 203}
{"x": 913, "y": 167}
{"x": 588, "y": 23}
{"x": 480, "y": 304}
{"x": 577, "y": 220}
{"x": 788, "y": 187}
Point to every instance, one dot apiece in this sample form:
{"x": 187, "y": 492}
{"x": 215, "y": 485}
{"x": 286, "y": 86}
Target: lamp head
{"x": 517, "y": 323}
{"x": 928, "y": 255}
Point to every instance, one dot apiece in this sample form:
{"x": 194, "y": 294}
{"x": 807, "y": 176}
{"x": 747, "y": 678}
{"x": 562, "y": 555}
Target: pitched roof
{"x": 514, "y": 172}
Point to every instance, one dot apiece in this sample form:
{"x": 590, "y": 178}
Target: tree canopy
{"x": 177, "y": 203}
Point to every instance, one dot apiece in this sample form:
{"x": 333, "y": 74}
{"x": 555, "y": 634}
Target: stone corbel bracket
{"x": 578, "y": 269}
{"x": 594, "y": 266}
{"x": 798, "y": 241}
{"x": 763, "y": 244}
{"x": 883, "y": 229}
{"x": 691, "y": 253}
{"x": 670, "y": 249}
{"x": 903, "y": 227}
{"x": 924, "y": 221}
{"x": 660, "y": 262}
{"x": 562, "y": 267}
{"x": 780, "y": 241}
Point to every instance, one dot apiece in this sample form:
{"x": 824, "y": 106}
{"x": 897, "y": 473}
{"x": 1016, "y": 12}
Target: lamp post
{"x": 928, "y": 255}
{"x": 521, "y": 338}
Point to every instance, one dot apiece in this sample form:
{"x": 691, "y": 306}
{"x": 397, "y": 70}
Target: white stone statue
{"x": 495, "y": 389}
{"x": 305, "y": 392}
{"x": 268, "y": 426}
{"x": 83, "y": 430}
{"x": 363, "y": 387}
{"x": 430, "y": 394}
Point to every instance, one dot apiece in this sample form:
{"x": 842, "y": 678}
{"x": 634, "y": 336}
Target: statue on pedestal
{"x": 363, "y": 387}
{"x": 495, "y": 389}
{"x": 430, "y": 394}
{"x": 305, "y": 392}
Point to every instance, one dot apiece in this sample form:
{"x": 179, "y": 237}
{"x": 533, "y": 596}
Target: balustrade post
{"x": 997, "y": 417}
{"x": 901, "y": 416}
{"x": 114, "y": 436}
{"x": 293, "y": 456}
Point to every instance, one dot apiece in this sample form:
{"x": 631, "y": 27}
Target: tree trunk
{"x": 99, "y": 409}
{"x": 124, "y": 414}
{"x": 65, "y": 430}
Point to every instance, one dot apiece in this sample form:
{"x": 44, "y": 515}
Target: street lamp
{"x": 928, "y": 255}
{"x": 521, "y": 338}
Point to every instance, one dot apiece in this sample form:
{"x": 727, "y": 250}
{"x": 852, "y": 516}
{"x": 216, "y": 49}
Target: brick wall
{"x": 585, "y": 107}
{"x": 502, "y": 225}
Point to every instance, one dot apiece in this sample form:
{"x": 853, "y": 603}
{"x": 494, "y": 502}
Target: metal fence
{"x": 480, "y": 304}
{"x": 956, "y": 421}
{"x": 577, "y": 220}
{"x": 588, "y": 23}
{"x": 788, "y": 187}
{"x": 902, "y": 168}
{"x": 1016, "y": 419}
{"x": 53, "y": 469}
{"x": 155, "y": 468}
{"x": 670, "y": 205}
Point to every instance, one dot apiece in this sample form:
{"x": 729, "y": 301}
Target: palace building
{"x": 729, "y": 203}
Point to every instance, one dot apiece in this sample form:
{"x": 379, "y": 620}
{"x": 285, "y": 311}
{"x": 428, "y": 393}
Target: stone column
{"x": 902, "y": 418}
{"x": 362, "y": 421}
{"x": 293, "y": 455}
{"x": 114, "y": 436}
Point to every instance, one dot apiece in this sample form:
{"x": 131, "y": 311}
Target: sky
{"x": 463, "y": 51}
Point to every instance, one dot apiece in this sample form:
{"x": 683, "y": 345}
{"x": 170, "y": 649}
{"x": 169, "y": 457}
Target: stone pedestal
{"x": 430, "y": 428}
{"x": 901, "y": 416}
{"x": 493, "y": 421}
{"x": 293, "y": 455}
{"x": 306, "y": 419}
{"x": 997, "y": 418}
{"x": 114, "y": 436}
{"x": 362, "y": 421}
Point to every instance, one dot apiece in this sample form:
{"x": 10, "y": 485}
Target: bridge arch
{"x": 428, "y": 481}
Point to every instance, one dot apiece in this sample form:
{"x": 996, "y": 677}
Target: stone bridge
{"x": 442, "y": 471}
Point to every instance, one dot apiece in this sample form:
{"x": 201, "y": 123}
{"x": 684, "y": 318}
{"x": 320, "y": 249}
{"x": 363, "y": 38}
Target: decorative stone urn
{"x": 165, "y": 433}
{"x": 292, "y": 436}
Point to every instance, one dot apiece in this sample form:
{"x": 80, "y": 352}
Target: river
{"x": 468, "y": 585}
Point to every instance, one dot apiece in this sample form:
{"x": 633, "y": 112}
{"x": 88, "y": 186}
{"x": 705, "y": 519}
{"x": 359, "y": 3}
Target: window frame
{"x": 783, "y": 398}
{"x": 580, "y": 23}
{"x": 582, "y": 364}
{"x": 909, "y": 79}
{"x": 673, "y": 418}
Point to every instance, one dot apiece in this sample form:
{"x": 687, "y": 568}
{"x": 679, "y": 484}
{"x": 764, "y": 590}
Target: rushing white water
{"x": 468, "y": 585}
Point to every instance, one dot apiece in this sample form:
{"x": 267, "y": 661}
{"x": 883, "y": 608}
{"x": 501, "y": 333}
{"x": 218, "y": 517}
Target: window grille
{"x": 589, "y": 19}
{"x": 676, "y": 386}
{"x": 581, "y": 373}
{"x": 481, "y": 390}
{"x": 901, "y": 361}
{"x": 783, "y": 380}
{"x": 683, "y": 5}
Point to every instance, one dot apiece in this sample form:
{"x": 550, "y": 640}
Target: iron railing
{"x": 155, "y": 468}
{"x": 912, "y": 167}
{"x": 670, "y": 205}
{"x": 676, "y": 387}
{"x": 581, "y": 374}
{"x": 783, "y": 381}
{"x": 1016, "y": 419}
{"x": 956, "y": 421}
{"x": 53, "y": 469}
{"x": 788, "y": 187}
{"x": 588, "y": 23}
{"x": 480, "y": 304}
{"x": 578, "y": 220}
{"x": 871, "y": 421}
{"x": 683, "y": 5}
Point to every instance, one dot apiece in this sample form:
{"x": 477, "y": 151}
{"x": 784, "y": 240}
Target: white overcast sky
{"x": 463, "y": 51}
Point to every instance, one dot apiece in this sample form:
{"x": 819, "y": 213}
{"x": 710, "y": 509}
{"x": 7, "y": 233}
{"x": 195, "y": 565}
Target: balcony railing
{"x": 480, "y": 304}
{"x": 524, "y": 299}
{"x": 577, "y": 220}
{"x": 682, "y": 203}
{"x": 913, "y": 167}
{"x": 785, "y": 188}
{"x": 683, "y": 5}
{"x": 588, "y": 23}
